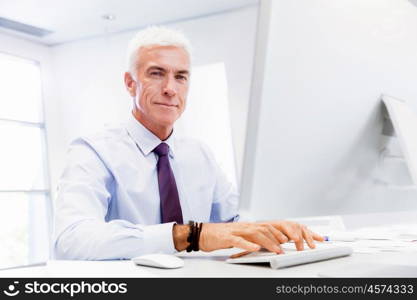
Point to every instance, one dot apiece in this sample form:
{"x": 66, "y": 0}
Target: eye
{"x": 156, "y": 73}
{"x": 181, "y": 77}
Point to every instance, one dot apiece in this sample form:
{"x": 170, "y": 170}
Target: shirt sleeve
{"x": 80, "y": 227}
{"x": 225, "y": 197}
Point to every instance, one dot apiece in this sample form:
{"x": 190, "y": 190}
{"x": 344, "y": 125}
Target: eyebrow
{"x": 156, "y": 68}
{"x": 185, "y": 72}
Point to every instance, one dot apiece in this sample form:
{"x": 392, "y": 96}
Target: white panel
{"x": 207, "y": 116}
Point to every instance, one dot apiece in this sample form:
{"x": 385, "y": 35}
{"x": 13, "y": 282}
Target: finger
{"x": 294, "y": 233}
{"x": 241, "y": 243}
{"x": 268, "y": 230}
{"x": 282, "y": 238}
{"x": 299, "y": 241}
{"x": 262, "y": 239}
{"x": 307, "y": 235}
{"x": 317, "y": 237}
{"x": 286, "y": 229}
{"x": 270, "y": 235}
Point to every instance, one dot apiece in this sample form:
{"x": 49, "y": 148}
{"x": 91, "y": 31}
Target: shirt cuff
{"x": 158, "y": 238}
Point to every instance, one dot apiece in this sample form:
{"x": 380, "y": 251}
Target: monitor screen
{"x": 314, "y": 140}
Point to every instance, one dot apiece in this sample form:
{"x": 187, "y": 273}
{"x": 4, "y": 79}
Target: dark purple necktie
{"x": 168, "y": 193}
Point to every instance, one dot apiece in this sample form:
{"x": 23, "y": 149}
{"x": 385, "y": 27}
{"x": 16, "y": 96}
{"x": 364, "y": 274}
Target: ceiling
{"x": 71, "y": 20}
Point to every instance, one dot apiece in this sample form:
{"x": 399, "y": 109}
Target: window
{"x": 24, "y": 192}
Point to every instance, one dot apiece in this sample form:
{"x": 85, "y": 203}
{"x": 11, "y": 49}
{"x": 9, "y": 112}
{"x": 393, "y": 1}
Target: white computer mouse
{"x": 159, "y": 260}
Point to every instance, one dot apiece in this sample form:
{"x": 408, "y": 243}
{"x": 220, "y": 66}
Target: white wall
{"x": 322, "y": 66}
{"x": 88, "y": 76}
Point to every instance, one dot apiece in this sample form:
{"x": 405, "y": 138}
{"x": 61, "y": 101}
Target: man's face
{"x": 161, "y": 86}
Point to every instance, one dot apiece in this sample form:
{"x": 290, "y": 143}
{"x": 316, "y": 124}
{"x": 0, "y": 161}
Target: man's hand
{"x": 297, "y": 233}
{"x": 253, "y": 236}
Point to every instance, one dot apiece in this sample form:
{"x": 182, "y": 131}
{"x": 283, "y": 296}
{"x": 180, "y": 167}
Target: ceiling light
{"x": 109, "y": 17}
{"x": 24, "y": 28}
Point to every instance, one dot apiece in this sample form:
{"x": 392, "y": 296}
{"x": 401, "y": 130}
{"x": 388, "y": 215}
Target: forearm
{"x": 117, "y": 239}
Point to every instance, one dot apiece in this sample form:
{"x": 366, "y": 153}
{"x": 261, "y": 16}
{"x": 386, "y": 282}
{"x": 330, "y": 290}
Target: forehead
{"x": 168, "y": 57}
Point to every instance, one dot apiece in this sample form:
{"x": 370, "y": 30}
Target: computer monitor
{"x": 315, "y": 130}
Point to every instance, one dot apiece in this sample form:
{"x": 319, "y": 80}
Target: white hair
{"x": 155, "y": 35}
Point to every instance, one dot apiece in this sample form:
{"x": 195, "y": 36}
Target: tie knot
{"x": 162, "y": 149}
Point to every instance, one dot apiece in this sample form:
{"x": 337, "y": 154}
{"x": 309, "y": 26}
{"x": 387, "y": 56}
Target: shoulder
{"x": 111, "y": 134}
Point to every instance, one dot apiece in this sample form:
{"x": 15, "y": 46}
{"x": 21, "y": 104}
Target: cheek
{"x": 147, "y": 92}
{"x": 183, "y": 97}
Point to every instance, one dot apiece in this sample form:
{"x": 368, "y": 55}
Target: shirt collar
{"x": 145, "y": 139}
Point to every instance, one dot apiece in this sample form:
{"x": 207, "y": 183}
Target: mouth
{"x": 166, "y": 105}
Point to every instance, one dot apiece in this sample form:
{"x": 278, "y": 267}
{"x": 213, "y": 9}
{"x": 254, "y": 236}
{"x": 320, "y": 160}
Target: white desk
{"x": 199, "y": 265}
{"x": 213, "y": 264}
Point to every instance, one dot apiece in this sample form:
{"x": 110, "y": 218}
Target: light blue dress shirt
{"x": 108, "y": 204}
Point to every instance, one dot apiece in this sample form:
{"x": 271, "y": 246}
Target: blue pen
{"x": 341, "y": 236}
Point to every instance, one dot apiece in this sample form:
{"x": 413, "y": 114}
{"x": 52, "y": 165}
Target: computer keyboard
{"x": 292, "y": 257}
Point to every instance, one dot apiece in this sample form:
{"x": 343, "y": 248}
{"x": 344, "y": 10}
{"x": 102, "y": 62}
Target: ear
{"x": 130, "y": 84}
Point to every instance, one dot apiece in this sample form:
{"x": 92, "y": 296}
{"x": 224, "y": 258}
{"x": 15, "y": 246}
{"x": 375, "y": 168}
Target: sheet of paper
{"x": 392, "y": 238}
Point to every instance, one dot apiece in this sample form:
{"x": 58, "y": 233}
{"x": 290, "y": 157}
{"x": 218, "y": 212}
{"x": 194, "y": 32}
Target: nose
{"x": 169, "y": 88}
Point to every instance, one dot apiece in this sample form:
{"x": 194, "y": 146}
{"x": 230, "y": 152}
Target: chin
{"x": 167, "y": 121}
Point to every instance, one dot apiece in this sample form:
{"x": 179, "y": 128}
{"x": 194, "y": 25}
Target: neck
{"x": 162, "y": 132}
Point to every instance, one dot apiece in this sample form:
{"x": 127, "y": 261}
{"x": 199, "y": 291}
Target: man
{"x": 131, "y": 190}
